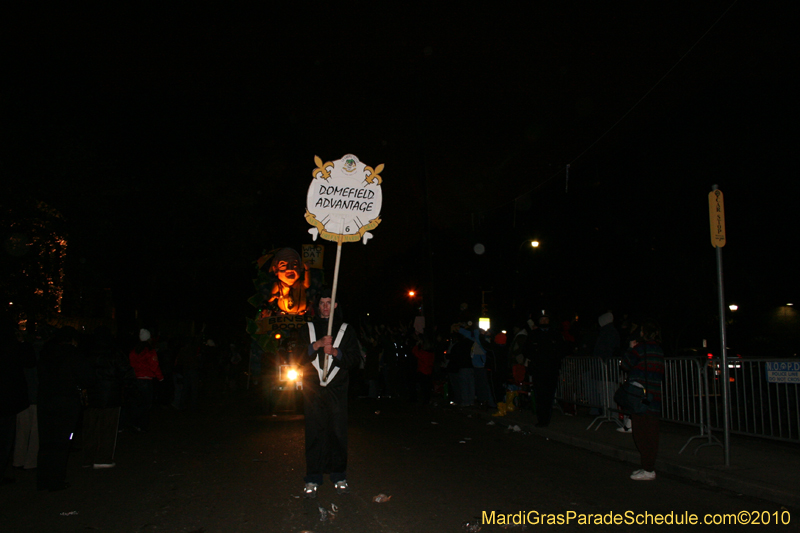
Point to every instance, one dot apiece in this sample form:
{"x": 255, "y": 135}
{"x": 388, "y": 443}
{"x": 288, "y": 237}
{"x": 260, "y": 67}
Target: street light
{"x": 733, "y": 307}
{"x": 533, "y": 243}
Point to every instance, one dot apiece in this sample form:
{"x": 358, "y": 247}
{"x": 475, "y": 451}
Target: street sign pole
{"x": 716, "y": 211}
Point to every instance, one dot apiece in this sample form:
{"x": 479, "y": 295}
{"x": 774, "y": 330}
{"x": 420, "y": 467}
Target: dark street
{"x": 534, "y": 202}
{"x": 231, "y": 468}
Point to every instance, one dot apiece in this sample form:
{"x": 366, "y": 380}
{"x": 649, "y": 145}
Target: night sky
{"x": 178, "y": 144}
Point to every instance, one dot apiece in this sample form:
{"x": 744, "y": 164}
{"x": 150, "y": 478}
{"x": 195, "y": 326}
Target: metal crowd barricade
{"x": 684, "y": 399}
{"x": 765, "y": 397}
{"x": 584, "y": 381}
{"x": 589, "y": 382}
{"x": 764, "y": 393}
{"x": 577, "y": 381}
{"x": 614, "y": 377}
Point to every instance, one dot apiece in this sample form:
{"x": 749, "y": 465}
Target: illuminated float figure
{"x": 282, "y": 303}
{"x": 289, "y": 292}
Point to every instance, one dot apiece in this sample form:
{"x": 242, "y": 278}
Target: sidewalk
{"x": 760, "y": 468}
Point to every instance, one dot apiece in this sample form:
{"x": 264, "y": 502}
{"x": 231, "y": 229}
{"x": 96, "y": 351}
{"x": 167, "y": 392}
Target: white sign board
{"x": 783, "y": 372}
{"x": 344, "y": 200}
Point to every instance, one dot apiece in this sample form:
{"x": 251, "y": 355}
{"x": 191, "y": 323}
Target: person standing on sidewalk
{"x": 326, "y": 396}
{"x": 13, "y": 394}
{"x": 144, "y": 360}
{"x": 106, "y": 371}
{"x": 544, "y": 348}
{"x": 644, "y": 363}
{"x": 478, "y": 356}
{"x": 59, "y": 408}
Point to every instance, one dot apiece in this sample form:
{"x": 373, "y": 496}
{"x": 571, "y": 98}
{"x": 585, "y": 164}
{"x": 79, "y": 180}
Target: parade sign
{"x": 783, "y": 372}
{"x": 716, "y": 213}
{"x": 344, "y": 200}
{"x": 313, "y": 254}
{"x": 343, "y": 204}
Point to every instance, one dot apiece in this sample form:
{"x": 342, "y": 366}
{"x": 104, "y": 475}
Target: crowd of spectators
{"x": 61, "y": 385}
{"x": 59, "y": 382}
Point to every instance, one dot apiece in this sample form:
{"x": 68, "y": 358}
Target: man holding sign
{"x": 326, "y": 395}
{"x": 343, "y": 204}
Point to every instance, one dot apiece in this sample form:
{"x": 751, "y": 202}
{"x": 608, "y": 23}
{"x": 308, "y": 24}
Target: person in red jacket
{"x": 422, "y": 351}
{"x": 144, "y": 360}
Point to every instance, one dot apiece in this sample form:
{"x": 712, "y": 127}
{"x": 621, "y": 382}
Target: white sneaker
{"x": 341, "y": 487}
{"x": 310, "y": 490}
{"x": 643, "y": 475}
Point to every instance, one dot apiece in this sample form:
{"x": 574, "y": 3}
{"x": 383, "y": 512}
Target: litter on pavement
{"x": 472, "y": 526}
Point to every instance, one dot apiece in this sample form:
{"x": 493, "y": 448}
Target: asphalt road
{"x": 230, "y": 468}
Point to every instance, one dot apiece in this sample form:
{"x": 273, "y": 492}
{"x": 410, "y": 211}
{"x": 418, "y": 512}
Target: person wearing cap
{"x": 544, "y": 348}
{"x": 326, "y": 396}
{"x": 144, "y": 361}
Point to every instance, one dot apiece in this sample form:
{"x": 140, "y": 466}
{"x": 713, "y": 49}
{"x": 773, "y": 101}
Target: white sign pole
{"x": 333, "y": 298}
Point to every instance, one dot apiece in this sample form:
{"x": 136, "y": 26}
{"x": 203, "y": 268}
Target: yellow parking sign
{"x": 716, "y": 212}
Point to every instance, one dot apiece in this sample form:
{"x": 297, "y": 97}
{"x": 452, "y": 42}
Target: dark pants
{"x": 483, "y": 390}
{"x": 99, "y": 435}
{"x": 8, "y": 431}
{"x": 187, "y": 389}
{"x": 326, "y": 433}
{"x": 141, "y": 403}
{"x": 456, "y": 393}
{"x": 545, "y": 383}
{"x": 425, "y": 383}
{"x": 645, "y": 436}
{"x": 57, "y": 422}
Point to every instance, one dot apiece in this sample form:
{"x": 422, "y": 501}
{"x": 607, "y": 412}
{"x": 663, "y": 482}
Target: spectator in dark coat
{"x": 60, "y": 383}
{"x": 107, "y": 368}
{"x": 13, "y": 395}
{"x": 544, "y": 348}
